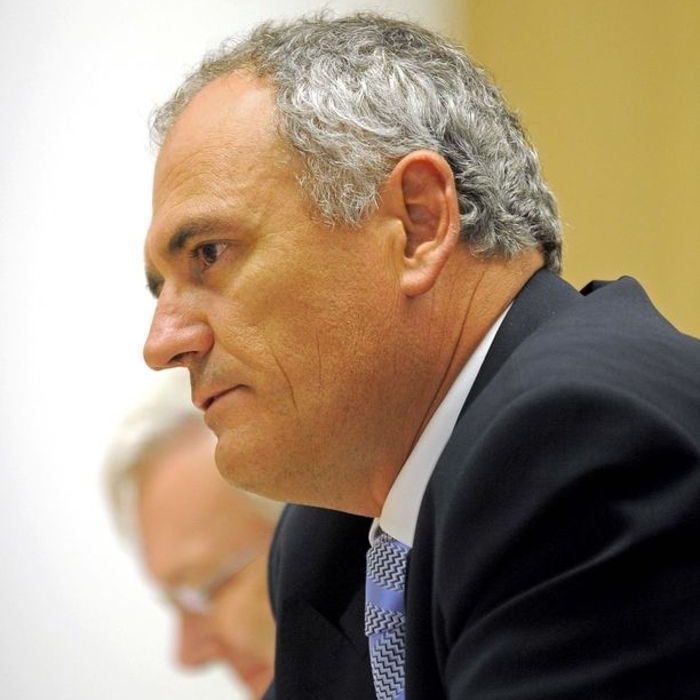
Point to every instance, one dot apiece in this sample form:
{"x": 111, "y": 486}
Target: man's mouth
{"x": 203, "y": 400}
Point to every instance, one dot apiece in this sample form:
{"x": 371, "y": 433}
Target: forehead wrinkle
{"x": 216, "y": 182}
{"x": 180, "y": 170}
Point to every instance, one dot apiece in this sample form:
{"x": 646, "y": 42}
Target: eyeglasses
{"x": 198, "y": 599}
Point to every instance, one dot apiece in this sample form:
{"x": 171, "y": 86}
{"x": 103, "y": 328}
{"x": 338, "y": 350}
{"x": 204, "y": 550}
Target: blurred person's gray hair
{"x": 164, "y": 414}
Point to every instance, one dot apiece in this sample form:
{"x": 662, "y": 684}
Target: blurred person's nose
{"x": 198, "y": 643}
{"x": 177, "y": 335}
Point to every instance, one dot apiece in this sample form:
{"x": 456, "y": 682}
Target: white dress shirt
{"x": 400, "y": 512}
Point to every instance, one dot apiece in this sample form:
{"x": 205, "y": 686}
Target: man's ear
{"x": 421, "y": 192}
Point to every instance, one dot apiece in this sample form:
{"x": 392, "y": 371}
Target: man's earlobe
{"x": 430, "y": 217}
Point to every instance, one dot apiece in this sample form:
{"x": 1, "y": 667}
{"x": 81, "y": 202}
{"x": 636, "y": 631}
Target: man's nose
{"x": 176, "y": 335}
{"x": 198, "y": 643}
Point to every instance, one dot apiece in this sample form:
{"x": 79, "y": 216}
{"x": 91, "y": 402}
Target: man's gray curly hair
{"x": 355, "y": 94}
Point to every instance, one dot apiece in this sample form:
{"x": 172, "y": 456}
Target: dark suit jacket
{"x": 557, "y": 549}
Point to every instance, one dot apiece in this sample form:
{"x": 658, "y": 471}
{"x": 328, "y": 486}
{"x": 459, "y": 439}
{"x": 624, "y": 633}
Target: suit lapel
{"x": 318, "y": 593}
{"x": 542, "y": 298}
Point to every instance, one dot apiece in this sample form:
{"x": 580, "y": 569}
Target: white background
{"x": 78, "y": 81}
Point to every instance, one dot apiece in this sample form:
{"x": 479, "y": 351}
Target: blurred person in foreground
{"x": 204, "y": 543}
{"x": 355, "y": 256}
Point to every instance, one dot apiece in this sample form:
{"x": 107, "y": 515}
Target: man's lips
{"x": 204, "y": 399}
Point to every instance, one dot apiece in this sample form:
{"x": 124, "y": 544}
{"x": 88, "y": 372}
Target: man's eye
{"x": 208, "y": 253}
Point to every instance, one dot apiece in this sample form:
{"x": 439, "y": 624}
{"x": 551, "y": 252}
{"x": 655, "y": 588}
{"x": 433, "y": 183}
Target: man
{"x": 204, "y": 543}
{"x": 355, "y": 255}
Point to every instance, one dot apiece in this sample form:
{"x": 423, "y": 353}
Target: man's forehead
{"x": 228, "y": 125}
{"x": 235, "y": 105}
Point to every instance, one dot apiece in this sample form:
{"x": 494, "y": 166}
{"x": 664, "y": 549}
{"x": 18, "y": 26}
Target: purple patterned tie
{"x": 385, "y": 615}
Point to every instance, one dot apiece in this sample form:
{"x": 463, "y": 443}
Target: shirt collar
{"x": 400, "y": 512}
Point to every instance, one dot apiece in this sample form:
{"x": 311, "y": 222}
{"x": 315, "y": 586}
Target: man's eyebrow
{"x": 179, "y": 239}
{"x": 154, "y": 282}
{"x": 184, "y": 233}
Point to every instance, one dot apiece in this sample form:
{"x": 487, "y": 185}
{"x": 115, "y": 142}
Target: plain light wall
{"x": 78, "y": 82}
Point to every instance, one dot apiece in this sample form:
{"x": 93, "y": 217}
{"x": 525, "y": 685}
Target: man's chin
{"x": 235, "y": 468}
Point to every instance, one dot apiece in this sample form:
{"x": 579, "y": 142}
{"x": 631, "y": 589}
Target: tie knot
{"x": 386, "y": 562}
